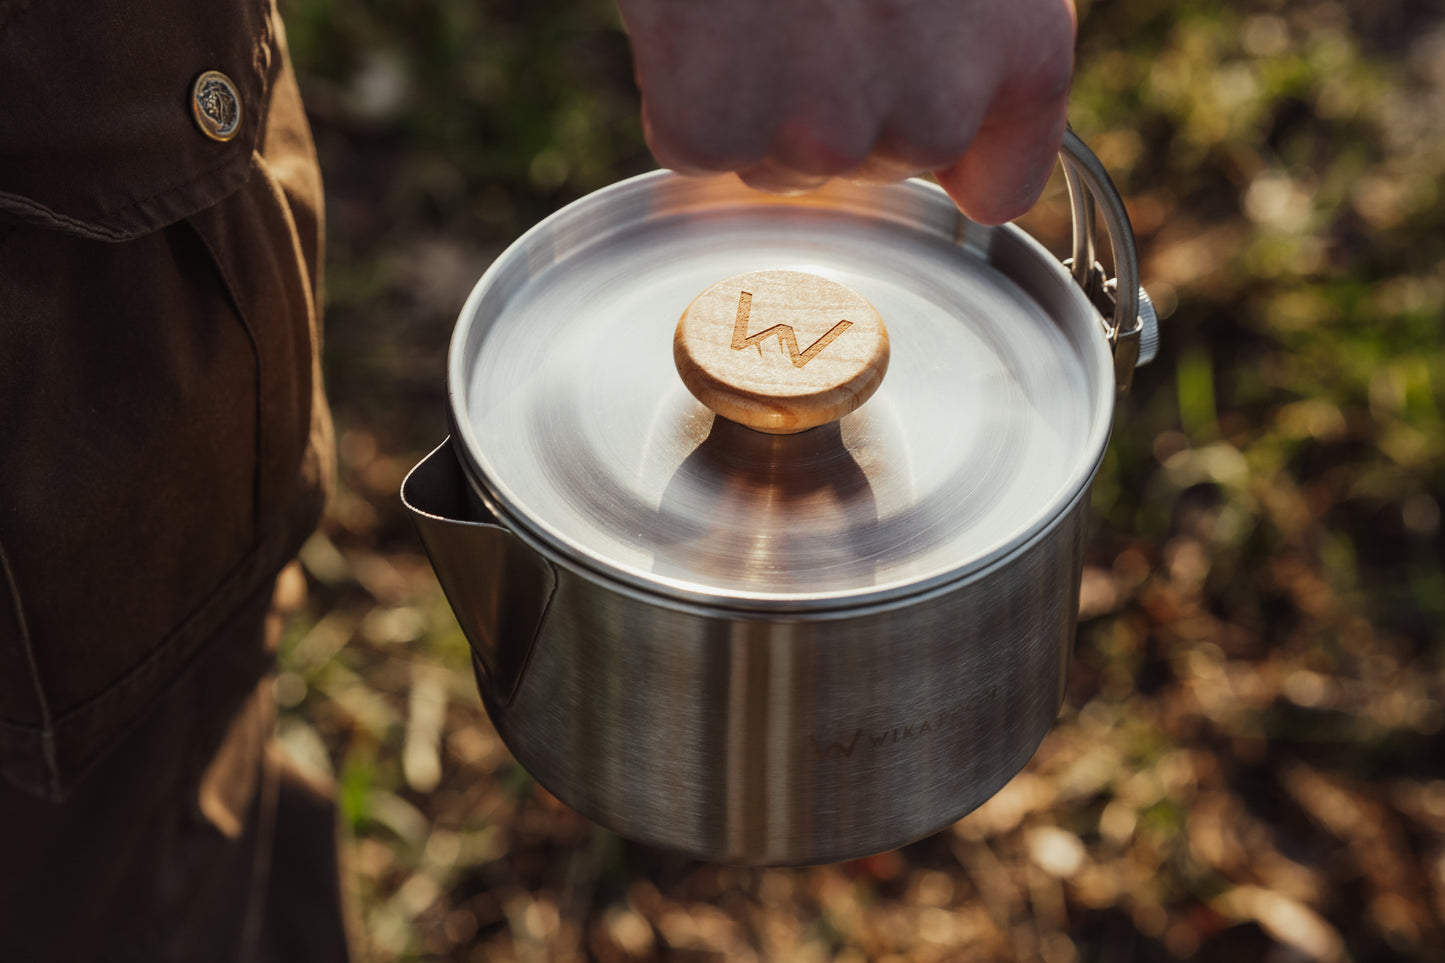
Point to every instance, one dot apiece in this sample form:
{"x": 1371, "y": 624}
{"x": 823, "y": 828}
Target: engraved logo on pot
{"x": 786, "y": 337}
{"x": 884, "y": 739}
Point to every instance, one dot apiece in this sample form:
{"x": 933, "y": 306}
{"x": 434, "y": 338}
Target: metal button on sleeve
{"x": 216, "y": 106}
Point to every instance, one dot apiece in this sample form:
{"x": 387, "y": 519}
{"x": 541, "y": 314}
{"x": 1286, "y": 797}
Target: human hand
{"x": 791, "y": 93}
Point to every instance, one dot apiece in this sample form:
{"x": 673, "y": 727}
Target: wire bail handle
{"x": 1130, "y": 322}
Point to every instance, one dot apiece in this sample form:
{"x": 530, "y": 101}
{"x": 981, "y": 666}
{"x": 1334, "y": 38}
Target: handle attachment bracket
{"x": 1129, "y": 319}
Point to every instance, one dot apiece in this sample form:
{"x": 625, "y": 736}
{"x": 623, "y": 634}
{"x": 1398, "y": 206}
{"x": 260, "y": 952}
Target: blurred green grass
{"x": 1249, "y": 763}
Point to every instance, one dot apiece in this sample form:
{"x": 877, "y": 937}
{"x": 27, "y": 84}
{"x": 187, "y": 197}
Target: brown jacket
{"x": 163, "y": 440}
{"x": 164, "y": 450}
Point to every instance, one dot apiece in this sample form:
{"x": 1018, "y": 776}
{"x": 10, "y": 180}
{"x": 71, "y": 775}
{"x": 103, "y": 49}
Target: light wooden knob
{"x": 781, "y": 351}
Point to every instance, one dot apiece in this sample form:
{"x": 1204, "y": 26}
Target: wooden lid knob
{"x": 781, "y": 351}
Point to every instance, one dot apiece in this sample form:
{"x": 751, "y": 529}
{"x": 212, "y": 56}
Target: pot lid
{"x": 576, "y": 427}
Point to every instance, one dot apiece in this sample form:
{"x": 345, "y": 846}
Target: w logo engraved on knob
{"x": 780, "y": 390}
{"x": 786, "y": 337}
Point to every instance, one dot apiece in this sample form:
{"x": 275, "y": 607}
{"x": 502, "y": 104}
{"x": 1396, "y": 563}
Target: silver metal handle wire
{"x": 1130, "y": 322}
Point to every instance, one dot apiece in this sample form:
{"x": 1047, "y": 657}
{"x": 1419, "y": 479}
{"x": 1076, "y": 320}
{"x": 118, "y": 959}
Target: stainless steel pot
{"x": 766, "y": 649}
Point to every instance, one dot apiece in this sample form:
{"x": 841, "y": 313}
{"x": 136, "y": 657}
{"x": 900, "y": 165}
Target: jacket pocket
{"x": 164, "y": 448}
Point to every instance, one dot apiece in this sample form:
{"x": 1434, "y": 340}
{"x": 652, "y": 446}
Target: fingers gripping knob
{"x": 781, "y": 351}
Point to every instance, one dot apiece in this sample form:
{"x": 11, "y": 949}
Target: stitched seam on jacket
{"x": 47, "y": 729}
{"x": 264, "y": 552}
{"x": 233, "y": 292}
{"x": 94, "y": 227}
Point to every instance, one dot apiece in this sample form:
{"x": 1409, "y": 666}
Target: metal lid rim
{"x": 670, "y": 591}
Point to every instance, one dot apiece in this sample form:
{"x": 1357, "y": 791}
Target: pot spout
{"x": 498, "y": 587}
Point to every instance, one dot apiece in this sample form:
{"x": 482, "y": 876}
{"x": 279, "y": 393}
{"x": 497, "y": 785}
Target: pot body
{"x": 758, "y": 741}
{"x": 751, "y": 649}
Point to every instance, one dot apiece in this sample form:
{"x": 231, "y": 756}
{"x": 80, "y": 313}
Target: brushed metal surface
{"x": 575, "y": 425}
{"x": 770, "y": 742}
{"x": 765, "y": 741}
